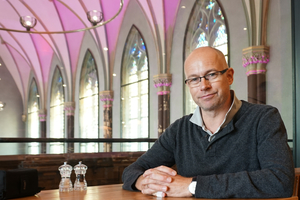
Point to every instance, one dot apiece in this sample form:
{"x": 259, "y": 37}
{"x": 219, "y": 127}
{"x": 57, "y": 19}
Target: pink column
{"x": 107, "y": 98}
{"x": 163, "y": 83}
{"x": 255, "y": 59}
{"x": 69, "y": 108}
{"x": 43, "y": 128}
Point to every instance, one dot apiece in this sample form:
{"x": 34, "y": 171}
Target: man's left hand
{"x": 179, "y": 187}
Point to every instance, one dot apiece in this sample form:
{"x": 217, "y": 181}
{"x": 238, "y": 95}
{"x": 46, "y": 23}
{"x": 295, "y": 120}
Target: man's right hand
{"x": 155, "y": 180}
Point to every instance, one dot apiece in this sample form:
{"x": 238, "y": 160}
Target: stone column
{"x": 69, "y": 108}
{"x": 163, "y": 83}
{"x": 43, "y": 128}
{"x": 107, "y": 98}
{"x": 255, "y": 60}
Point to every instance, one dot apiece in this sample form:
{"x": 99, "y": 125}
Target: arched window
{"x": 134, "y": 92}
{"x": 57, "y": 113}
{"x": 206, "y": 27}
{"x": 88, "y": 103}
{"x": 33, "y": 123}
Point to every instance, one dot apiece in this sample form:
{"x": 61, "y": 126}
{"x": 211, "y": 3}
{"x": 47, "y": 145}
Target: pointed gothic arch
{"x": 206, "y": 27}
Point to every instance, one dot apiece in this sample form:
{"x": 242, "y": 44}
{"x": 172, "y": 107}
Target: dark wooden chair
{"x": 297, "y": 183}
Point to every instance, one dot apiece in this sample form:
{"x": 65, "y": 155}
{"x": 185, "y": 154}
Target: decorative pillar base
{"x": 255, "y": 59}
{"x": 107, "y": 98}
{"x": 163, "y": 83}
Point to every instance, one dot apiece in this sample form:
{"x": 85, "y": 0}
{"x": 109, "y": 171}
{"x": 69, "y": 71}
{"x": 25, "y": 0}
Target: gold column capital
{"x": 255, "y": 59}
{"x": 107, "y": 97}
{"x": 42, "y": 115}
{"x": 163, "y": 82}
{"x": 24, "y": 118}
{"x": 69, "y": 107}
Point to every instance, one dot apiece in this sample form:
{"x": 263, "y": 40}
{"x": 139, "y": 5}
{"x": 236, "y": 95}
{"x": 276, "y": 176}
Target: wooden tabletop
{"x": 106, "y": 192}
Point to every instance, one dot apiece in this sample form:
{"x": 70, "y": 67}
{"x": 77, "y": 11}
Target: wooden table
{"x": 107, "y": 192}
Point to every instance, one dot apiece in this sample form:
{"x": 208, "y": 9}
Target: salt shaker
{"x": 80, "y": 182}
{"x": 65, "y": 184}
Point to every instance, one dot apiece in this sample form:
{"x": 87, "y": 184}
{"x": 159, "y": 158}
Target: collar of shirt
{"x": 235, "y": 106}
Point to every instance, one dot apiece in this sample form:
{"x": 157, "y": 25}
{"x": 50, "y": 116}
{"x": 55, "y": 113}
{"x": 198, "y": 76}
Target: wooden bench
{"x": 103, "y": 168}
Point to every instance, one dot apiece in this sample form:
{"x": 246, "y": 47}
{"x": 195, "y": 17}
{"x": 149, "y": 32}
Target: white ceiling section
{"x": 25, "y": 53}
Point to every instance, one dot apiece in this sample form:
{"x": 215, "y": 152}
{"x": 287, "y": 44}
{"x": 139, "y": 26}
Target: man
{"x": 227, "y": 149}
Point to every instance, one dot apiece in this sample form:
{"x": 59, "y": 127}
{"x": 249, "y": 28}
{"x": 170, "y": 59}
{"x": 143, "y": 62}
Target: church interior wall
{"x": 278, "y": 76}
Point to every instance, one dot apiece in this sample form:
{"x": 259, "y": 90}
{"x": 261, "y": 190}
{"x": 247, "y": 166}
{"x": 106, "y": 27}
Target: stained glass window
{"x": 33, "y": 125}
{"x": 88, "y": 103}
{"x": 206, "y": 27}
{"x": 57, "y": 113}
{"x": 134, "y": 92}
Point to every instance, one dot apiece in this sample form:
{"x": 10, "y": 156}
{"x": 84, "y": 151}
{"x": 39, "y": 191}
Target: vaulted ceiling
{"x": 24, "y": 53}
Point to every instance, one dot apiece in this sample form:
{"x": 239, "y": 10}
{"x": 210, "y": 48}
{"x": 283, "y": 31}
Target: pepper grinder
{"x": 65, "y": 184}
{"x": 80, "y": 182}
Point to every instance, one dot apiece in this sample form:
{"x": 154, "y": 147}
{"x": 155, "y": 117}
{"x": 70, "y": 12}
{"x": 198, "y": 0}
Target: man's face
{"x": 209, "y": 95}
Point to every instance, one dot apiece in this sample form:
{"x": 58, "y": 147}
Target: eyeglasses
{"x": 195, "y": 82}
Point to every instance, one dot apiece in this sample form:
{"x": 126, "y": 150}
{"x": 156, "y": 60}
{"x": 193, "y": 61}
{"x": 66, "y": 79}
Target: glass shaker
{"x": 80, "y": 182}
{"x": 65, "y": 184}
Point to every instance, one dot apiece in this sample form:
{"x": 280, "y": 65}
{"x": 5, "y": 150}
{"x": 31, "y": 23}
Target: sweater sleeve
{"x": 161, "y": 153}
{"x": 274, "y": 179}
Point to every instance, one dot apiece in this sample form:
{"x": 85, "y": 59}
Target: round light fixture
{"x": 28, "y": 22}
{"x": 94, "y": 16}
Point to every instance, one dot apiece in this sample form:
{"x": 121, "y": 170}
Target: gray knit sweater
{"x": 248, "y": 158}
